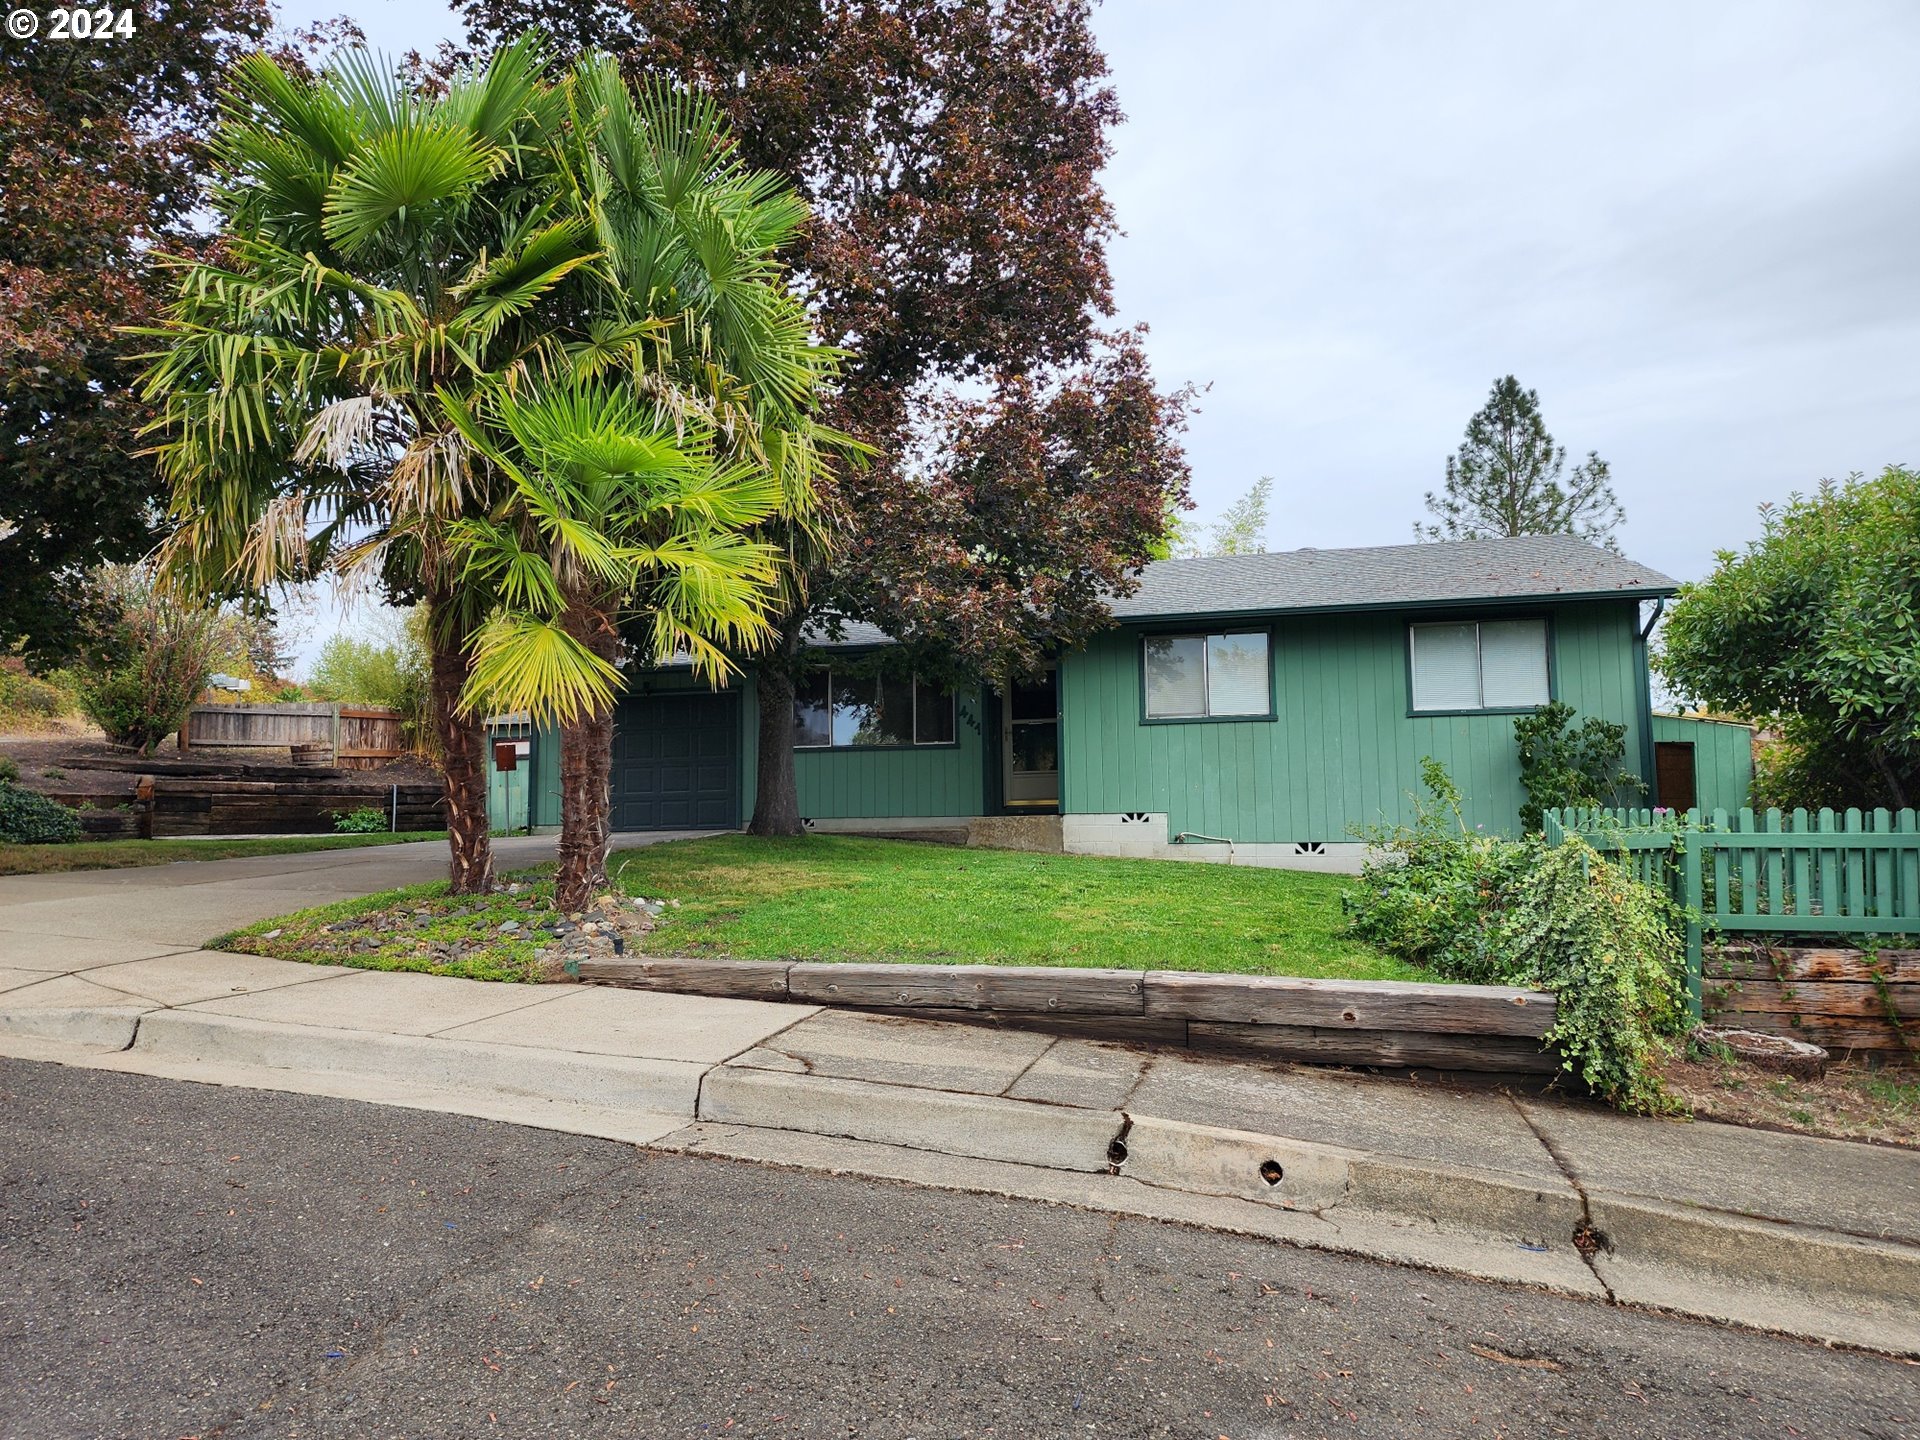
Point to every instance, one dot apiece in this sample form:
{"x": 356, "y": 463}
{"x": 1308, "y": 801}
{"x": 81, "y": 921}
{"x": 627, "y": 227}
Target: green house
{"x": 1257, "y": 709}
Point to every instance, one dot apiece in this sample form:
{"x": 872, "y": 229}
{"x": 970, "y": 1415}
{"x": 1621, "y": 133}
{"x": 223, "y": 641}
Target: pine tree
{"x": 1507, "y": 479}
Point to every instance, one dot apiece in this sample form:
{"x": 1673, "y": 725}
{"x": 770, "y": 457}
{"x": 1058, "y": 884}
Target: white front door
{"x": 1030, "y": 741}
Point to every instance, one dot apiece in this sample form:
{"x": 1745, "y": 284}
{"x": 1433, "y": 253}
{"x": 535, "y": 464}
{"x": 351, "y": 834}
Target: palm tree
{"x": 385, "y": 256}
{"x": 641, "y": 482}
{"x": 521, "y": 349}
{"x": 619, "y": 509}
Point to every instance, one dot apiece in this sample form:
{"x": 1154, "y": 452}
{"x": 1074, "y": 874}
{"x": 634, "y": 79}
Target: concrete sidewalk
{"x": 1810, "y": 1237}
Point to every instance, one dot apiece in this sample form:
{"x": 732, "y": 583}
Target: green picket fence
{"x": 1776, "y": 872}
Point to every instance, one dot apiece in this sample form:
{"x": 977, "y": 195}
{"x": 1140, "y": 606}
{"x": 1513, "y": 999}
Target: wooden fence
{"x": 1785, "y": 873}
{"x": 368, "y": 738}
{"x": 361, "y": 737}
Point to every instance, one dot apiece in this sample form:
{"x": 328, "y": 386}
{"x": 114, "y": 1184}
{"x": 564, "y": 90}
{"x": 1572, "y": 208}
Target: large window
{"x": 1204, "y": 677}
{"x": 841, "y": 711}
{"x": 1479, "y": 665}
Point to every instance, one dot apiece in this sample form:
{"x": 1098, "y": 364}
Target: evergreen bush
{"x": 30, "y": 818}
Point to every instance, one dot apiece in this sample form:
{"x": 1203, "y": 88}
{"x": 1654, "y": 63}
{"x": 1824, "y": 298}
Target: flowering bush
{"x": 147, "y": 655}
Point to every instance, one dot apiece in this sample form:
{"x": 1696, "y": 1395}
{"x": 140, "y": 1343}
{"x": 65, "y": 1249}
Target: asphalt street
{"x": 184, "y": 1260}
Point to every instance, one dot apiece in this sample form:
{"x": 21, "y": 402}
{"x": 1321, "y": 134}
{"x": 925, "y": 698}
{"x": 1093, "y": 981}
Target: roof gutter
{"x": 1473, "y": 602}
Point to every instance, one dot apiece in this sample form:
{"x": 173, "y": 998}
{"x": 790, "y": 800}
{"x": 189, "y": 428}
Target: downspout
{"x": 1648, "y": 770}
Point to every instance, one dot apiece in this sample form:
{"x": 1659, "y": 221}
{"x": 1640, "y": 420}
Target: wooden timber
{"x": 1795, "y": 963}
{"x": 687, "y": 975}
{"x": 1839, "y": 999}
{"x": 1385, "y": 1023}
{"x": 1373, "y": 1005}
{"x": 1389, "y": 1048}
{"x": 1043, "y": 989}
{"x": 1125, "y": 1029}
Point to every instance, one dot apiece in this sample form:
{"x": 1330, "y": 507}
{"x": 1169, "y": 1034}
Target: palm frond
{"x": 409, "y": 167}
{"x": 520, "y": 663}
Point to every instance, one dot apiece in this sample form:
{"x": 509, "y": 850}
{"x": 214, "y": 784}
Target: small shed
{"x": 514, "y": 753}
{"x": 1701, "y": 761}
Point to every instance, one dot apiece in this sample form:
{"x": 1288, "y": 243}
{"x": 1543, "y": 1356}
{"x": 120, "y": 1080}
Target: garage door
{"x": 676, "y": 763}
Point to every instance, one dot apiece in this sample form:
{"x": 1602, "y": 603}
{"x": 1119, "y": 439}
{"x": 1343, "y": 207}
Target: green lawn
{"x": 833, "y": 897}
{"x": 119, "y": 854}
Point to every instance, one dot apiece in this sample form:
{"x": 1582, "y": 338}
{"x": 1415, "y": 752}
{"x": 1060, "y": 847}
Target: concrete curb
{"x": 980, "y": 1127}
{"x": 108, "y": 1028}
{"x": 1637, "y": 1231}
{"x": 1394, "y": 1239}
{"x": 616, "y": 1082}
{"x": 1301, "y": 1175}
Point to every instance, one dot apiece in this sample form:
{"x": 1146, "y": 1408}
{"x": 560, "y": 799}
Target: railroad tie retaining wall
{"x": 1337, "y": 1022}
{"x": 1843, "y": 999}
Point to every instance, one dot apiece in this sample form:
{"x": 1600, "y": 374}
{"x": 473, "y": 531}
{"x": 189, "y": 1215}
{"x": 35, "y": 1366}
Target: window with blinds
{"x": 1479, "y": 665}
{"x": 1205, "y": 677}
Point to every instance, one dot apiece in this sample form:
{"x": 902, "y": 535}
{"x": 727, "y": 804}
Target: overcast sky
{"x": 1690, "y": 226}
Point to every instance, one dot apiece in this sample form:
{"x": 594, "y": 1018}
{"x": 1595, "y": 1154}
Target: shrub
{"x": 1562, "y": 766}
{"x": 30, "y": 701}
{"x": 388, "y": 669}
{"x": 30, "y": 818}
{"x": 148, "y": 656}
{"x": 1810, "y": 630}
{"x": 367, "y": 820}
{"x": 1802, "y": 764}
{"x": 9, "y": 770}
{"x": 1562, "y": 918}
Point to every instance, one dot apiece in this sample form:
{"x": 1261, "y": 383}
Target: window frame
{"x": 1204, "y": 634}
{"x": 914, "y": 682}
{"x": 1476, "y": 620}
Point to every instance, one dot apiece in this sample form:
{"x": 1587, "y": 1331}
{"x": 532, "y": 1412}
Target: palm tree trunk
{"x": 586, "y": 771}
{"x": 463, "y": 756}
{"x": 776, "y": 798}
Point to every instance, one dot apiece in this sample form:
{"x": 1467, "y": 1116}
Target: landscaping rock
{"x": 530, "y": 935}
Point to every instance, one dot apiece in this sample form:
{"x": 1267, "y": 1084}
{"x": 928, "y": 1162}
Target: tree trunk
{"x": 463, "y": 755}
{"x": 776, "y": 800}
{"x": 1896, "y": 792}
{"x": 586, "y": 773}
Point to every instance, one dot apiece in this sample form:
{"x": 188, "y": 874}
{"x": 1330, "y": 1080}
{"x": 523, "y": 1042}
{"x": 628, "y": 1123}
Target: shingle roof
{"x": 854, "y": 635}
{"x": 1449, "y": 572}
{"x": 1528, "y": 567}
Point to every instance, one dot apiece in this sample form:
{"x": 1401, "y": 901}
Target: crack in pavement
{"x": 1593, "y": 1237}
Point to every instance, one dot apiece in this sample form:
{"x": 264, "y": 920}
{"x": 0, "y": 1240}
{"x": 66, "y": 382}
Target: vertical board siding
{"x": 543, "y": 800}
{"x": 885, "y": 784}
{"x": 1722, "y": 758}
{"x": 1342, "y": 752}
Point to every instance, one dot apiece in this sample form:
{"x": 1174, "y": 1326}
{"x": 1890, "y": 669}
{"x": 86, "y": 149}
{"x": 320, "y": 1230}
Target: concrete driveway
{"x": 86, "y": 918}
